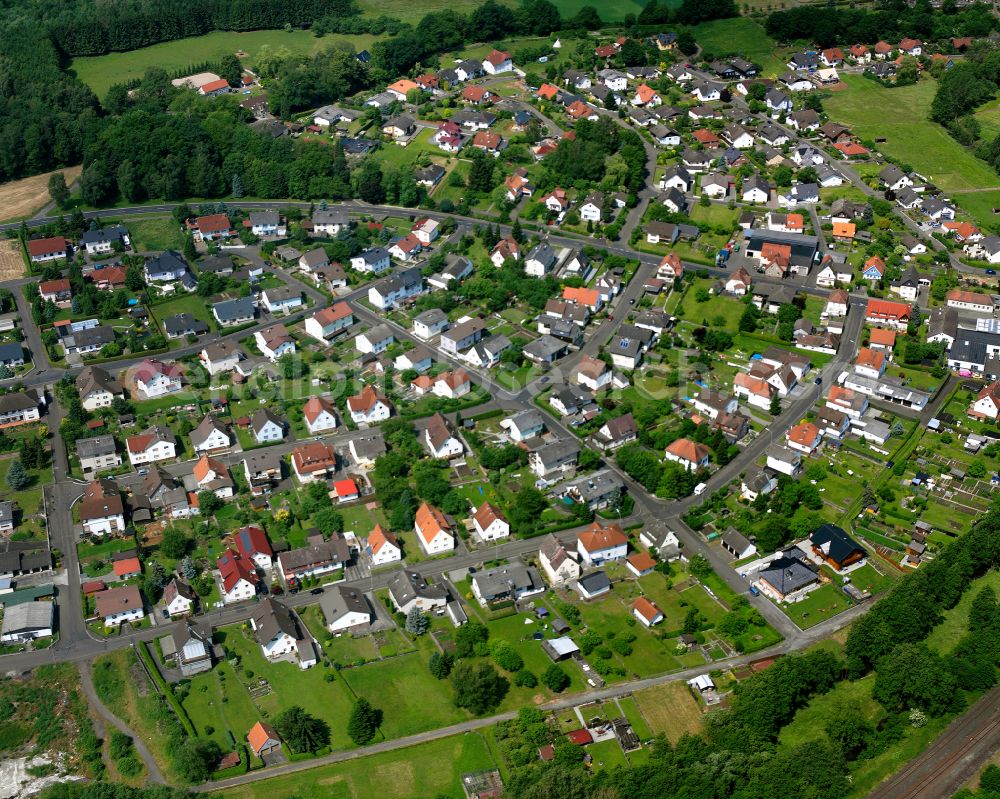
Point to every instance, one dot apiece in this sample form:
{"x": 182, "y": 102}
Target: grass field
{"x": 950, "y": 631}
{"x": 217, "y": 700}
{"x": 740, "y": 36}
{"x": 715, "y": 214}
{"x": 102, "y": 72}
{"x": 724, "y": 308}
{"x": 901, "y": 116}
{"x": 430, "y": 769}
{"x": 20, "y": 199}
{"x": 154, "y": 233}
{"x": 670, "y": 709}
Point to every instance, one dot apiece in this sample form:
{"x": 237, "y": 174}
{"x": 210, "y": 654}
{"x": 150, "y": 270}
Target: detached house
{"x": 439, "y": 439}
{"x": 239, "y": 577}
{"x": 369, "y": 407}
{"x": 151, "y": 446}
{"x": 210, "y": 436}
{"x": 326, "y": 324}
{"x": 383, "y": 547}
{"x": 557, "y": 562}
{"x": 434, "y": 531}
{"x": 319, "y": 415}
{"x": 599, "y": 544}
{"x": 314, "y": 461}
{"x": 102, "y": 511}
{"x": 689, "y": 454}
{"x": 490, "y": 523}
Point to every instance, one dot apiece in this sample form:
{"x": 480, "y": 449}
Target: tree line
{"x": 836, "y": 25}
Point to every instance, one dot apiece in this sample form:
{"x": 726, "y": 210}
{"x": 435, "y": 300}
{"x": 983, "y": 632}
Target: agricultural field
{"x": 102, "y": 72}
{"x": 20, "y": 199}
{"x": 429, "y": 769}
{"x": 670, "y": 709}
{"x": 901, "y": 117}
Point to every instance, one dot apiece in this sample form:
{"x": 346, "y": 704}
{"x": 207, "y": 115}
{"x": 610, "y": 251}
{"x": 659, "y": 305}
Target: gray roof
{"x": 405, "y": 586}
{"x": 264, "y": 218}
{"x": 341, "y": 600}
{"x": 542, "y": 253}
{"x": 330, "y": 216}
{"x": 334, "y": 550}
{"x": 229, "y": 310}
{"x": 17, "y": 401}
{"x": 788, "y": 572}
{"x": 594, "y": 582}
{"x": 93, "y": 377}
{"x": 94, "y": 447}
{"x": 527, "y": 420}
{"x": 165, "y": 263}
{"x": 271, "y": 618}
{"x": 28, "y": 617}
{"x": 113, "y": 233}
{"x": 370, "y": 445}
{"x": 262, "y": 416}
{"x": 544, "y": 348}
{"x": 557, "y": 452}
{"x": 94, "y": 336}
{"x": 595, "y": 486}
{"x": 511, "y": 578}
{"x": 183, "y": 323}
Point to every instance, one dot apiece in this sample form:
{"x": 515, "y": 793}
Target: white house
{"x": 383, "y": 547}
{"x": 557, "y": 562}
{"x": 319, "y": 415}
{"x": 155, "y": 379}
{"x": 689, "y": 454}
{"x": 178, "y": 598}
{"x": 345, "y": 609}
{"x": 598, "y": 544}
{"x": 150, "y": 446}
{"x": 267, "y": 223}
{"x": 376, "y": 340}
{"x": 369, "y": 407}
{"x": 371, "y": 261}
{"x": 119, "y": 605}
{"x": 439, "y": 439}
{"x": 239, "y": 578}
{"x": 433, "y": 530}
{"x": 490, "y": 523}
{"x": 327, "y": 323}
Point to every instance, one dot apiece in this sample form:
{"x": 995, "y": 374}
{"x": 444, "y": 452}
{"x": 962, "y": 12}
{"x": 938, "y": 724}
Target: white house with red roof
{"x": 870, "y": 363}
{"x": 346, "y": 490}
{"x": 151, "y": 445}
{"x": 238, "y": 576}
{"x": 599, "y": 544}
{"x": 646, "y": 611}
{"x": 490, "y": 523}
{"x": 689, "y": 454}
{"x": 252, "y": 544}
{"x": 406, "y": 248}
{"x": 50, "y": 249}
{"x": 212, "y": 227}
{"x": 498, "y": 61}
{"x": 987, "y": 402}
{"x": 320, "y": 415}
{"x": 369, "y": 407}
{"x": 327, "y": 323}
{"x": 383, "y": 547}
{"x": 433, "y": 530}
{"x": 805, "y": 437}
{"x": 156, "y": 379}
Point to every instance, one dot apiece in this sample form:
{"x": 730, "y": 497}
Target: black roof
{"x": 594, "y": 582}
{"x": 835, "y": 543}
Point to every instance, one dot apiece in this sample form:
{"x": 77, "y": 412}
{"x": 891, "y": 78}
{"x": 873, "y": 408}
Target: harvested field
{"x": 670, "y": 709}
{"x": 11, "y": 260}
{"x": 20, "y": 199}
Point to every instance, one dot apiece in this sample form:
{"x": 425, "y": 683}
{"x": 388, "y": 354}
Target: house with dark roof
{"x": 837, "y": 549}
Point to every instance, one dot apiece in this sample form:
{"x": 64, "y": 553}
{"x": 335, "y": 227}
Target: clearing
{"x": 103, "y": 71}
{"x": 671, "y": 709}
{"x": 21, "y": 199}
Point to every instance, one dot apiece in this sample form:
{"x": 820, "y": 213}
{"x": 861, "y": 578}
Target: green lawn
{"x": 29, "y": 499}
{"x": 819, "y": 605}
{"x": 430, "y": 769}
{"x": 330, "y": 701}
{"x": 715, "y": 214}
{"x": 411, "y": 699}
{"x": 217, "y": 700}
{"x": 361, "y": 521}
{"x": 198, "y": 307}
{"x": 739, "y": 36}
{"x": 901, "y": 116}
{"x": 101, "y": 72}
{"x": 725, "y": 309}
{"x": 153, "y": 233}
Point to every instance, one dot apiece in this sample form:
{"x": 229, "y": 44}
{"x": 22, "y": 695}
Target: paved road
{"x": 954, "y": 757}
{"x": 153, "y": 772}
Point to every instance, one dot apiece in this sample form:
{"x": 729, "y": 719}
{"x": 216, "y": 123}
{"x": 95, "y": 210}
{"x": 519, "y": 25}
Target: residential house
{"x": 320, "y": 415}
{"x": 151, "y": 446}
{"x": 557, "y": 562}
{"x": 434, "y": 531}
{"x": 440, "y": 441}
{"x": 409, "y": 590}
{"x": 689, "y": 454}
{"x": 490, "y": 523}
{"x": 598, "y": 544}
{"x": 211, "y": 435}
{"x": 507, "y": 583}
{"x": 97, "y": 388}
{"x": 555, "y": 458}
{"x": 238, "y": 311}
{"x": 102, "y": 511}
{"x": 369, "y": 407}
{"x": 326, "y": 324}
{"x": 371, "y": 261}
{"x": 315, "y": 460}
{"x": 119, "y": 606}
{"x": 48, "y": 249}
{"x": 383, "y": 547}
{"x": 345, "y": 610}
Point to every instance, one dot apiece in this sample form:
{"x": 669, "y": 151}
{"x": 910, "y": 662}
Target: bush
{"x": 525, "y": 679}
{"x": 555, "y": 679}
{"x": 506, "y": 656}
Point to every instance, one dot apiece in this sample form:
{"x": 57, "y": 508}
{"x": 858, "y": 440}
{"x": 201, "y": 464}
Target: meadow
{"x": 429, "y": 769}
{"x": 102, "y": 72}
{"x": 901, "y": 117}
